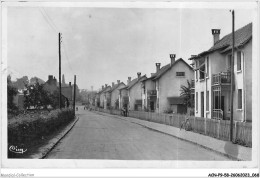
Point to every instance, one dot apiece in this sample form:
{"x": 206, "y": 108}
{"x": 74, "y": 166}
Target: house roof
{"x": 133, "y": 82}
{"x": 105, "y": 88}
{"x": 165, "y": 68}
{"x": 116, "y": 86}
{"x": 242, "y": 36}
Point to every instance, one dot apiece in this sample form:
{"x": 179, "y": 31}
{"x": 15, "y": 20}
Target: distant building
{"x": 103, "y": 95}
{"x": 97, "y": 99}
{"x": 67, "y": 92}
{"x": 123, "y": 96}
{"x": 213, "y": 77}
{"x": 114, "y": 92}
{"x": 130, "y": 95}
{"x": 51, "y": 85}
{"x": 19, "y": 101}
{"x": 107, "y": 98}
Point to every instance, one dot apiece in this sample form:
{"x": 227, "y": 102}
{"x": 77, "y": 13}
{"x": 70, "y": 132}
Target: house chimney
{"x": 138, "y": 75}
{"x": 69, "y": 83}
{"x": 172, "y": 56}
{"x": 50, "y": 77}
{"x": 106, "y": 85}
{"x": 158, "y": 65}
{"x": 113, "y": 84}
{"x": 118, "y": 81}
{"x": 129, "y": 80}
{"x": 102, "y": 87}
{"x": 215, "y": 33}
{"x": 54, "y": 81}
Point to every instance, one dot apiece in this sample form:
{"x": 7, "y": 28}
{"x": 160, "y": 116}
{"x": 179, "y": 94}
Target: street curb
{"x": 43, "y": 151}
{"x": 176, "y": 136}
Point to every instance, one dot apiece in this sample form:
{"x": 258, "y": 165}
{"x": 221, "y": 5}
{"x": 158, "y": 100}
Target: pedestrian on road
{"x": 126, "y": 111}
{"x": 186, "y": 124}
{"x": 123, "y": 111}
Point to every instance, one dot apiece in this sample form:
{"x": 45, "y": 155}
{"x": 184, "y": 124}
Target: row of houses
{"x": 158, "y": 93}
{"x": 209, "y": 74}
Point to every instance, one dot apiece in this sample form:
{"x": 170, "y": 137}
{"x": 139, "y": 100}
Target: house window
{"x": 196, "y": 101}
{"x": 229, "y": 62}
{"x": 202, "y": 72}
{"x": 239, "y": 99}
{"x": 207, "y": 101}
{"x": 180, "y": 74}
{"x": 239, "y": 60}
{"x": 207, "y": 62}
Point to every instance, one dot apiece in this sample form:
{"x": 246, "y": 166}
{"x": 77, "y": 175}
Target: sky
{"x": 103, "y": 45}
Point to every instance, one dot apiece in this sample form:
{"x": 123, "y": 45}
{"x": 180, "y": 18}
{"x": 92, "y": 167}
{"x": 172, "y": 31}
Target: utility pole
{"x": 59, "y": 72}
{"x": 74, "y": 96}
{"x": 232, "y": 76}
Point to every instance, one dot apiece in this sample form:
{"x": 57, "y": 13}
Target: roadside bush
{"x": 26, "y": 131}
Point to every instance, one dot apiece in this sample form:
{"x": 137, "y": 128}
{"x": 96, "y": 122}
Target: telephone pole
{"x": 232, "y": 76}
{"x": 59, "y": 72}
{"x": 74, "y": 96}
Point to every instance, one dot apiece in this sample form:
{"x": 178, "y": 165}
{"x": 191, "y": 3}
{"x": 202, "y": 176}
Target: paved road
{"x": 105, "y": 137}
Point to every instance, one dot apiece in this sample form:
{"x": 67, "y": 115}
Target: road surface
{"x": 97, "y": 136}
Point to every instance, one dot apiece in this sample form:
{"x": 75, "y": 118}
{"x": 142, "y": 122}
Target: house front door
{"x": 223, "y": 105}
{"x": 181, "y": 109}
{"x": 220, "y": 104}
{"x": 152, "y": 106}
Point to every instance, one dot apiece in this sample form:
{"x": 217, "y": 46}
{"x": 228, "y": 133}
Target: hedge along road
{"x": 97, "y": 136}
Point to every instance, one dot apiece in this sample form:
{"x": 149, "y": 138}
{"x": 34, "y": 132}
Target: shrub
{"x": 26, "y": 131}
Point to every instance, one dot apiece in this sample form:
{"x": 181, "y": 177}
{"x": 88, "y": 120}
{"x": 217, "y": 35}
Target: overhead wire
{"x": 53, "y": 24}
{"x": 66, "y": 55}
{"x": 48, "y": 21}
{"x": 54, "y": 27}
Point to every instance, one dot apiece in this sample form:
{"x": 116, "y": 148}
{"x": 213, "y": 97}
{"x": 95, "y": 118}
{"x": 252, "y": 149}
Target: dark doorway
{"x": 220, "y": 104}
{"x": 152, "y": 106}
{"x": 181, "y": 109}
{"x": 202, "y": 104}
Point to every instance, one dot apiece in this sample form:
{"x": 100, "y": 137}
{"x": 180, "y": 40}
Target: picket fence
{"x": 220, "y": 129}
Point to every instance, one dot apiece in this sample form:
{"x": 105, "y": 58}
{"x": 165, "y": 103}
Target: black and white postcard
{"x": 131, "y": 85}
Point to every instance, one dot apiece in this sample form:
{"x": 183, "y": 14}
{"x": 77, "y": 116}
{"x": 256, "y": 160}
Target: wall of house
{"x": 18, "y": 100}
{"x": 248, "y": 80}
{"x": 97, "y": 100}
{"x": 115, "y": 95}
{"x": 124, "y": 92}
{"x": 102, "y": 99}
{"x": 242, "y": 80}
{"x": 217, "y": 64}
{"x": 107, "y": 99}
{"x": 135, "y": 93}
{"x": 169, "y": 85}
{"x": 149, "y": 85}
